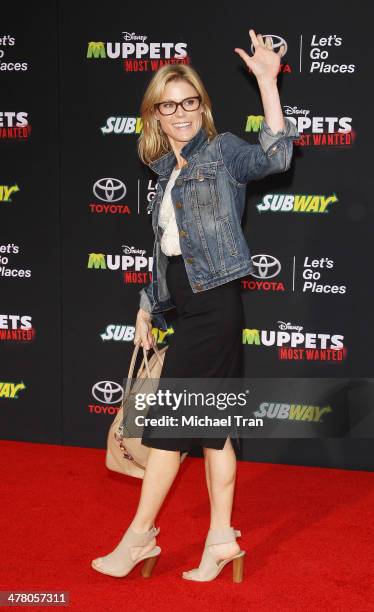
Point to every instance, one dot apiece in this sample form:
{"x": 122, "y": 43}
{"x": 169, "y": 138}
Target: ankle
{"x": 141, "y": 527}
{"x": 219, "y": 526}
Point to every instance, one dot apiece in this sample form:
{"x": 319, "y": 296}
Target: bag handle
{"x": 131, "y": 371}
{"x": 145, "y": 360}
{"x": 132, "y": 365}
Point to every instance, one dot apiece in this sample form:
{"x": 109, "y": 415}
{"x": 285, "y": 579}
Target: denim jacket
{"x": 209, "y": 196}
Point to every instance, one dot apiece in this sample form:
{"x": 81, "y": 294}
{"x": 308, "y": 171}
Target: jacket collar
{"x": 165, "y": 163}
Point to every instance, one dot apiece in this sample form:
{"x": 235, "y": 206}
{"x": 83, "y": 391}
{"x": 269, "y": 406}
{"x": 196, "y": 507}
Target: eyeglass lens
{"x": 169, "y": 107}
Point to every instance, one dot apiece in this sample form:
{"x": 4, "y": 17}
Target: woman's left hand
{"x": 265, "y": 62}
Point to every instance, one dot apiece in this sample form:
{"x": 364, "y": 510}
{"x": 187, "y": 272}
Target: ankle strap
{"x": 141, "y": 539}
{"x": 222, "y": 536}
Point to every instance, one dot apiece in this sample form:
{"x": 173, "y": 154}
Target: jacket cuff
{"x": 267, "y": 137}
{"x": 145, "y": 302}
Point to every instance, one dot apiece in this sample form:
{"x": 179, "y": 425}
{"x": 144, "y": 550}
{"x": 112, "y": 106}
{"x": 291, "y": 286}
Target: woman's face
{"x": 182, "y": 125}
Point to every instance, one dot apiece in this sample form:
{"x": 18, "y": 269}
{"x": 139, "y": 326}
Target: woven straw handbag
{"x": 126, "y": 454}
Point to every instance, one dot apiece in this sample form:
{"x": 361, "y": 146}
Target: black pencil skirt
{"x": 207, "y": 343}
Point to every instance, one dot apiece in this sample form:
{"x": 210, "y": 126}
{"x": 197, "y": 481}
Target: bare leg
{"x": 161, "y": 470}
{"x": 220, "y": 471}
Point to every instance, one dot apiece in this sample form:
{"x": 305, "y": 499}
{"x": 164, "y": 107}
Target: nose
{"x": 180, "y": 112}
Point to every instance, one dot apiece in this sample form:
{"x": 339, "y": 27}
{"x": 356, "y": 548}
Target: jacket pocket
{"x": 203, "y": 182}
{"x": 229, "y": 236}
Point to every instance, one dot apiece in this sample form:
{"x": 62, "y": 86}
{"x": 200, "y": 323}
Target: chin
{"x": 187, "y": 135}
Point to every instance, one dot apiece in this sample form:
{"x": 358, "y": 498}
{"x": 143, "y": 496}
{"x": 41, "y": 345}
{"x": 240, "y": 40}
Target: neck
{"x": 179, "y": 167}
{"x": 177, "y": 148}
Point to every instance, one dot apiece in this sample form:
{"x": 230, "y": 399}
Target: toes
{"x": 190, "y": 574}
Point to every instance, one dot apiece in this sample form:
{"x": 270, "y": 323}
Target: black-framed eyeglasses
{"x": 168, "y": 107}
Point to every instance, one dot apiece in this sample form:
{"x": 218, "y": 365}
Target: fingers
{"x": 257, "y": 40}
{"x": 144, "y": 343}
{"x": 253, "y": 37}
{"x": 143, "y": 334}
{"x": 281, "y": 50}
{"x": 245, "y": 57}
{"x": 269, "y": 42}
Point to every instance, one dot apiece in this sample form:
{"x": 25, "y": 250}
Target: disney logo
{"x": 293, "y": 110}
{"x": 130, "y": 250}
{"x": 133, "y": 36}
{"x": 283, "y": 325}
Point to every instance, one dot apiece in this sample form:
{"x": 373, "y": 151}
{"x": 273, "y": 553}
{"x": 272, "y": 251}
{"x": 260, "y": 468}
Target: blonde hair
{"x": 153, "y": 142}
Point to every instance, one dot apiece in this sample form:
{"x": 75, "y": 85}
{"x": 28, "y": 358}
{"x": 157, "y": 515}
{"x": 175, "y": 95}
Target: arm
{"x": 143, "y": 325}
{"x": 245, "y": 161}
{"x": 271, "y": 102}
{"x": 145, "y": 302}
{"x": 265, "y": 63}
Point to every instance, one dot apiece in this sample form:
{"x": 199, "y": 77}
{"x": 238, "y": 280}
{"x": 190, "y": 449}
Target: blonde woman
{"x": 200, "y": 253}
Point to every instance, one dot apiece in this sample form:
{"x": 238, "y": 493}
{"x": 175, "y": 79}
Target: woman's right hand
{"x": 143, "y": 329}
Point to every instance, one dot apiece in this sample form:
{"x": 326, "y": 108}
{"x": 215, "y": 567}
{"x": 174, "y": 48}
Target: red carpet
{"x": 308, "y": 533}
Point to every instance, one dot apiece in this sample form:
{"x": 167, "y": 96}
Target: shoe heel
{"x": 238, "y": 569}
{"x": 148, "y": 566}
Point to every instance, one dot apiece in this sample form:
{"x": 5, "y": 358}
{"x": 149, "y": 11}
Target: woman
{"x": 197, "y": 265}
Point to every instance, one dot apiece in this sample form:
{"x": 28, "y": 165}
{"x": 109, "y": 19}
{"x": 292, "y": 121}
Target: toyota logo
{"x": 109, "y": 189}
{"x": 107, "y": 392}
{"x": 266, "y": 266}
{"x": 278, "y": 41}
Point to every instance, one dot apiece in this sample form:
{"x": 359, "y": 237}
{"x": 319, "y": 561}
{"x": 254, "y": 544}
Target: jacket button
{"x": 182, "y": 233}
{"x": 189, "y": 260}
{"x": 198, "y": 286}
{"x": 178, "y": 205}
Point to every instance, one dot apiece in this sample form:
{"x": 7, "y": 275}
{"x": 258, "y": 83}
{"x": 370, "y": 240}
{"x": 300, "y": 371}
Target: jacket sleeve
{"x": 246, "y": 162}
{"x": 145, "y": 302}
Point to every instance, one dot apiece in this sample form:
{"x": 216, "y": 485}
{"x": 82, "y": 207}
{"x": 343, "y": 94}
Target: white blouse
{"x": 170, "y": 238}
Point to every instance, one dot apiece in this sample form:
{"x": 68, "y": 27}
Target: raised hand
{"x": 265, "y": 62}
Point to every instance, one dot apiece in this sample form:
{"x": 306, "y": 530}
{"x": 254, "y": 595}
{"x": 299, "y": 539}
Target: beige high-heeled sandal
{"x": 131, "y": 538}
{"x": 209, "y": 568}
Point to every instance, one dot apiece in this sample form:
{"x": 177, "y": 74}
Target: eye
{"x": 190, "y": 101}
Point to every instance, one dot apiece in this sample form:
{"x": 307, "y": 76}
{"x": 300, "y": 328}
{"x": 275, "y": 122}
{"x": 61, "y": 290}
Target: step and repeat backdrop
{"x": 76, "y": 240}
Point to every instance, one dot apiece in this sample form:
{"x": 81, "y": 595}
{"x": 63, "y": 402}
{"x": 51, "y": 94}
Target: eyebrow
{"x": 188, "y": 97}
